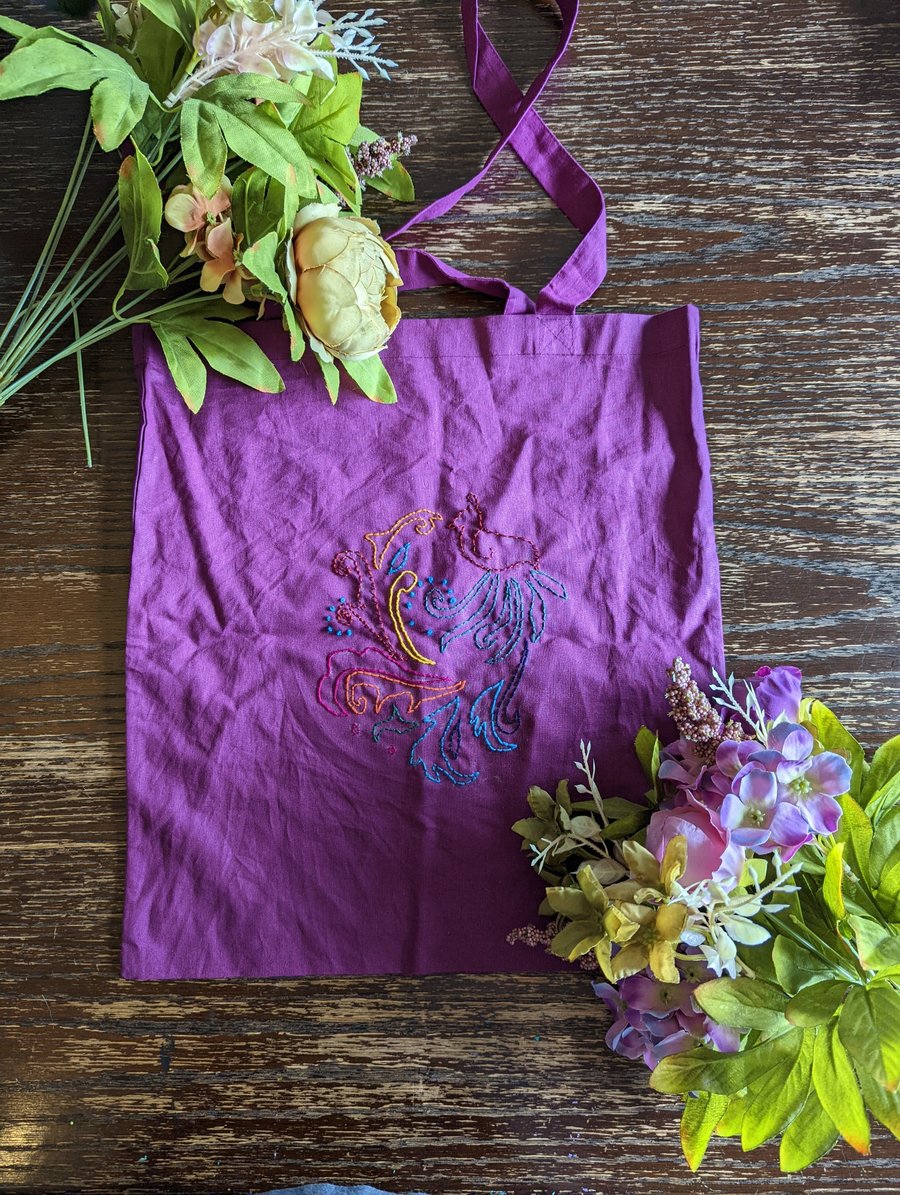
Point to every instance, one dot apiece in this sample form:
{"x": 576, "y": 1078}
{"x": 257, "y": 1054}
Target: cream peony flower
{"x": 343, "y": 279}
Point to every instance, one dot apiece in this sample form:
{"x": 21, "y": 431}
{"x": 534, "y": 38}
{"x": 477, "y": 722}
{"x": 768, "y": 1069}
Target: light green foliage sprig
{"x": 814, "y": 997}
{"x": 285, "y": 141}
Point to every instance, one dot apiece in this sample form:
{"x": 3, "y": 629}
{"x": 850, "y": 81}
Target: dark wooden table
{"x": 746, "y": 150}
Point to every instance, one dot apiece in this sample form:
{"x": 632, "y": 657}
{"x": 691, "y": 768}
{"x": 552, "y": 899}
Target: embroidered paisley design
{"x": 445, "y": 672}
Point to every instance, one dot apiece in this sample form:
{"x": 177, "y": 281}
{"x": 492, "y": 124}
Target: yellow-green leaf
{"x": 743, "y": 1003}
{"x": 188, "y": 371}
{"x": 837, "y": 1089}
{"x": 809, "y": 1136}
{"x": 776, "y": 1098}
{"x": 870, "y": 1029}
{"x": 832, "y": 885}
{"x": 884, "y": 1105}
{"x": 816, "y": 1004}
{"x": 855, "y": 829}
{"x": 834, "y": 736}
{"x": 885, "y": 765}
{"x": 702, "y": 1112}
{"x": 372, "y": 378}
{"x": 202, "y": 146}
{"x": 140, "y": 207}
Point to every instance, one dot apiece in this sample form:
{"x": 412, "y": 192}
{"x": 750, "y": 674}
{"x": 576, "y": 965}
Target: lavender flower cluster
{"x": 374, "y": 157}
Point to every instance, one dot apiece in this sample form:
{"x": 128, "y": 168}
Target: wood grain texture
{"x": 748, "y": 152}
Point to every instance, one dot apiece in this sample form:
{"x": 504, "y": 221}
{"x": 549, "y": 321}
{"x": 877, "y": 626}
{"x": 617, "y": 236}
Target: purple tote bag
{"x": 357, "y": 635}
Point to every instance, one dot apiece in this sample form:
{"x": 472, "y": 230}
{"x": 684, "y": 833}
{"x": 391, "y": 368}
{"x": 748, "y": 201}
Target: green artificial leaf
{"x": 230, "y": 352}
{"x": 158, "y": 50}
{"x": 188, "y": 371}
{"x": 775, "y": 1099}
{"x": 730, "y": 1123}
{"x": 332, "y": 378}
{"x": 117, "y": 104}
{"x": 248, "y": 86}
{"x": 702, "y": 1112}
{"x": 832, "y": 886}
{"x": 725, "y": 1074}
{"x": 577, "y": 938}
{"x": 333, "y": 109}
{"x": 885, "y": 766}
{"x": 617, "y": 808}
{"x": 395, "y": 182}
{"x": 885, "y": 840}
{"x": 628, "y": 826}
{"x": 140, "y": 208}
{"x": 332, "y": 164}
{"x": 202, "y": 146}
{"x": 834, "y": 736}
{"x": 259, "y": 259}
{"x": 178, "y": 15}
{"x": 260, "y": 204}
{"x": 256, "y": 136}
{"x": 816, "y": 1004}
{"x": 869, "y": 1027}
{"x": 809, "y": 1136}
{"x": 46, "y": 59}
{"x": 43, "y": 64}
{"x": 855, "y": 829}
{"x": 796, "y": 967}
{"x": 646, "y": 746}
{"x": 743, "y": 1004}
{"x": 835, "y": 1085}
{"x": 541, "y": 803}
{"x": 884, "y": 800}
{"x": 888, "y": 893}
{"x": 372, "y": 378}
{"x": 15, "y": 28}
{"x": 876, "y": 947}
{"x": 884, "y": 1105}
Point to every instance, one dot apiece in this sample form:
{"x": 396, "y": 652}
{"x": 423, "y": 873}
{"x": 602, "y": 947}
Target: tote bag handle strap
{"x": 558, "y": 173}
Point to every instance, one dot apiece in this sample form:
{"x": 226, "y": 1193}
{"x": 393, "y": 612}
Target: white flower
{"x": 283, "y": 48}
{"x": 721, "y": 954}
{"x": 279, "y": 48}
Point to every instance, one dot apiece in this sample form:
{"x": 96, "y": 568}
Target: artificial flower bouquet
{"x": 234, "y": 126}
{"x": 744, "y": 920}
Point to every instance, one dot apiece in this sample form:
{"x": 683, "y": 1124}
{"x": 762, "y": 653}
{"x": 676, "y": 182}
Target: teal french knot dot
{"x": 409, "y": 605}
{"x": 340, "y": 633}
{"x": 328, "y": 618}
{"x": 445, "y": 581}
{"x": 421, "y": 583}
{"x": 330, "y": 630}
{"x": 342, "y": 599}
{"x": 430, "y": 631}
{"x": 349, "y": 632}
{"x": 453, "y": 601}
{"x": 412, "y": 622}
{"x": 331, "y": 607}
{"x": 431, "y": 580}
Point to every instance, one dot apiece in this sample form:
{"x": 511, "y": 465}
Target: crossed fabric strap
{"x": 566, "y": 182}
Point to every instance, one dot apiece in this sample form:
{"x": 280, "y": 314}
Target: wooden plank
{"x": 748, "y": 154}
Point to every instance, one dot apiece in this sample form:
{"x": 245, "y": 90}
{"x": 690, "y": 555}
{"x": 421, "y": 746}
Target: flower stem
{"x": 39, "y": 273}
{"x": 102, "y": 331}
{"x": 79, "y": 369}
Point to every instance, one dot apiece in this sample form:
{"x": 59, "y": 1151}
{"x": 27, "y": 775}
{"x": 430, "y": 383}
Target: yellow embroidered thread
{"x": 425, "y": 521}
{"x": 397, "y": 594}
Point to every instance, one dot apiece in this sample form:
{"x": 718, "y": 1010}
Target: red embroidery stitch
{"x": 494, "y": 551}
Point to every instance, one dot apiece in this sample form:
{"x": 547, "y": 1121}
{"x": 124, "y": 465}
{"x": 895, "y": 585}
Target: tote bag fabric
{"x": 357, "y": 635}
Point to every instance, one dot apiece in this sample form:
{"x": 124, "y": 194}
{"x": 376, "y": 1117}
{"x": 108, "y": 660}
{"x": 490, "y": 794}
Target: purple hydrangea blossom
{"x": 652, "y": 1020}
{"x": 809, "y": 782}
{"x": 756, "y": 818}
